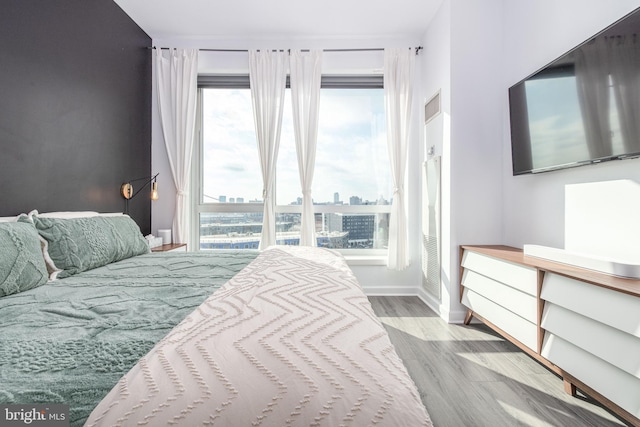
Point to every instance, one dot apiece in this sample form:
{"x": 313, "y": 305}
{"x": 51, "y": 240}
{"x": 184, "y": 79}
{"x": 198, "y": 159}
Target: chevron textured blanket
{"x": 291, "y": 340}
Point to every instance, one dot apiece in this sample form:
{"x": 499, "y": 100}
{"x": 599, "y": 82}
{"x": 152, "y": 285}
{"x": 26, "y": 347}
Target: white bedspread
{"x": 291, "y": 340}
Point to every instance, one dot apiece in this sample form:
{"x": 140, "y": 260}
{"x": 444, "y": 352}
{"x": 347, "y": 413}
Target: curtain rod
{"x": 366, "y": 49}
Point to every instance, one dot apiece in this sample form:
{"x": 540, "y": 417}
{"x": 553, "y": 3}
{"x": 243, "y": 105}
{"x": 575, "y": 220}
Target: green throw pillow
{"x": 80, "y": 244}
{"x": 21, "y": 262}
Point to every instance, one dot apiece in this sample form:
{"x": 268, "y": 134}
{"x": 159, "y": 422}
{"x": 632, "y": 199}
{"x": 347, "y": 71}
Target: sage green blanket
{"x": 71, "y": 340}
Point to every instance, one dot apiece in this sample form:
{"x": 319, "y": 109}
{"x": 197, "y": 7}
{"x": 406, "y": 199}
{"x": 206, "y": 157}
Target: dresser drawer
{"x": 612, "y": 345}
{"x": 616, "y": 309}
{"x": 519, "y": 328}
{"x": 520, "y": 277}
{"x": 512, "y": 299}
{"x": 617, "y": 385}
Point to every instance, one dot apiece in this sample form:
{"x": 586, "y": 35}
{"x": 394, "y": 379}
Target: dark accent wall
{"x": 75, "y": 107}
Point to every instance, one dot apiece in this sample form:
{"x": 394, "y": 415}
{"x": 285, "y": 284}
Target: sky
{"x": 351, "y": 156}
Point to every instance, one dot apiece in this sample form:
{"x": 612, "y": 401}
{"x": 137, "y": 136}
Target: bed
{"x": 235, "y": 338}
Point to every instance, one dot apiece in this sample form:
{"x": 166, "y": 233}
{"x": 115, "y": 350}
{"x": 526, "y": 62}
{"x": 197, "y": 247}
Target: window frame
{"x": 241, "y": 81}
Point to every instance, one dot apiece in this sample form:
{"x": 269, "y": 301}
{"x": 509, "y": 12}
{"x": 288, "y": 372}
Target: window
{"x": 352, "y": 184}
{"x": 230, "y": 165}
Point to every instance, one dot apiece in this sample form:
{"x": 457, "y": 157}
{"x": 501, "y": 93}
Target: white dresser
{"x": 503, "y": 293}
{"x": 581, "y": 324}
{"x": 593, "y": 333}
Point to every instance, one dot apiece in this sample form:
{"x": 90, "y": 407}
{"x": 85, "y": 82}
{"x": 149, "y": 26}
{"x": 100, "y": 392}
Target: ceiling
{"x": 281, "y": 19}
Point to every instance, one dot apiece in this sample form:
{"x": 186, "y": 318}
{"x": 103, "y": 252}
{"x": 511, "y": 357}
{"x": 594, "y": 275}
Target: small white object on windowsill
{"x": 165, "y": 234}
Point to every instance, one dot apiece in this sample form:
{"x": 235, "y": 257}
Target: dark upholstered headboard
{"x": 75, "y": 107}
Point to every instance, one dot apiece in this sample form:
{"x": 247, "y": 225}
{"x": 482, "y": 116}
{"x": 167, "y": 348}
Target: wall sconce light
{"x": 154, "y": 191}
{"x": 128, "y": 193}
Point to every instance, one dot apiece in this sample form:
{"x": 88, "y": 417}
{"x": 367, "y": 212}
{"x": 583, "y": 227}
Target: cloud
{"x": 351, "y": 154}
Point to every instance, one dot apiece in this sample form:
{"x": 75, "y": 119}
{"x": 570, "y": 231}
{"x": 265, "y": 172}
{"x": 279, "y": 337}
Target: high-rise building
{"x": 239, "y": 199}
{"x": 336, "y": 198}
{"x": 361, "y": 227}
{"x": 355, "y": 200}
{"x": 222, "y": 199}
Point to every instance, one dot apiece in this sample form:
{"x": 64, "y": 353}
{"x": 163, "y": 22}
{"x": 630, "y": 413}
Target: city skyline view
{"x": 351, "y": 157}
{"x": 224, "y": 230}
{"x": 352, "y": 200}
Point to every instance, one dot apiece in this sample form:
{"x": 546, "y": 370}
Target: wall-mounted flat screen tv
{"x": 584, "y": 107}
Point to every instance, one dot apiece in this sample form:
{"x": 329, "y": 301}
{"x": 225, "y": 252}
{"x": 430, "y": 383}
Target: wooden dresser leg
{"x": 467, "y": 318}
{"x": 569, "y": 387}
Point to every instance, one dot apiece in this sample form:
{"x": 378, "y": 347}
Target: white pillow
{"x": 8, "y": 218}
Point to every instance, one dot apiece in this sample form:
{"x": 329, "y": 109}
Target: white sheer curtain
{"x": 305, "y": 94}
{"x": 625, "y": 63}
{"x": 398, "y": 90}
{"x": 177, "y": 81}
{"x": 592, "y": 80}
{"x": 268, "y": 76}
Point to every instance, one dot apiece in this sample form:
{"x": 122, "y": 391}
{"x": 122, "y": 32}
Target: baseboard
{"x": 430, "y": 301}
{"x": 389, "y": 291}
{"x": 441, "y": 310}
{"x": 457, "y": 316}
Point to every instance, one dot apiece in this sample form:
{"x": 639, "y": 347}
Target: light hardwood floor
{"x": 470, "y": 376}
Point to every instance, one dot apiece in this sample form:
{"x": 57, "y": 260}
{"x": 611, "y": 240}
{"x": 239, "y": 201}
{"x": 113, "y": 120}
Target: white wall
{"x": 436, "y": 76}
{"x": 475, "y": 51}
{"x": 376, "y": 279}
{"x": 535, "y": 34}
{"x": 476, "y": 131}
{"x": 463, "y": 57}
